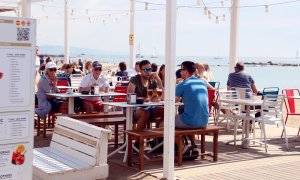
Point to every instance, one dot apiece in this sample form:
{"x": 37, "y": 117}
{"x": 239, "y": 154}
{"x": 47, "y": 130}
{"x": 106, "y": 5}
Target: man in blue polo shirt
{"x": 194, "y": 95}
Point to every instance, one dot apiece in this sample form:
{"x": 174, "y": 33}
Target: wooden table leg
{"x": 216, "y": 135}
{"x": 141, "y": 154}
{"x": 44, "y": 126}
{"x": 202, "y": 145}
{"x": 180, "y": 144}
{"x": 116, "y": 135}
{"x": 129, "y": 157}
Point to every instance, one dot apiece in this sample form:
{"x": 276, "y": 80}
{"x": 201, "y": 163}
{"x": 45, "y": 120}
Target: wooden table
{"x": 73, "y": 95}
{"x": 129, "y": 120}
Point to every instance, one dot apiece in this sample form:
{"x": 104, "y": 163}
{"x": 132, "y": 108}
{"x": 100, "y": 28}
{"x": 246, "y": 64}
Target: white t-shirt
{"x": 89, "y": 80}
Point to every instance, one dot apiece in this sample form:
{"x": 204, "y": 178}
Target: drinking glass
{"x": 149, "y": 93}
{"x": 159, "y": 93}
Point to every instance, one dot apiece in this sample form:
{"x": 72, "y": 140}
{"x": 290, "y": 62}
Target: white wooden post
{"x": 26, "y": 8}
{"x": 132, "y": 59}
{"x": 66, "y": 33}
{"x": 169, "y": 111}
{"x": 234, "y": 22}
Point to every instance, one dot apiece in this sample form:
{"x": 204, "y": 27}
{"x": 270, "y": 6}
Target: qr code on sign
{"x": 23, "y": 34}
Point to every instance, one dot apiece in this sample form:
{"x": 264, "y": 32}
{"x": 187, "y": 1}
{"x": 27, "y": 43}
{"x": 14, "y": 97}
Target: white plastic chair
{"x": 243, "y": 95}
{"x": 271, "y": 113}
{"x": 227, "y": 107}
{"x": 76, "y": 80}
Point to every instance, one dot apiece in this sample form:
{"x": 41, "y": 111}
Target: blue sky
{"x": 272, "y": 34}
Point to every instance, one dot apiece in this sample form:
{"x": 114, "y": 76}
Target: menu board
{"x": 15, "y": 69}
{"x": 17, "y": 75}
{"x": 14, "y": 126}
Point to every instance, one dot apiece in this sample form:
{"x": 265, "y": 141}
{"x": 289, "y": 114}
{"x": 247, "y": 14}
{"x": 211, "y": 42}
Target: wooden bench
{"x": 154, "y": 133}
{"x": 77, "y": 151}
{"x": 104, "y": 119}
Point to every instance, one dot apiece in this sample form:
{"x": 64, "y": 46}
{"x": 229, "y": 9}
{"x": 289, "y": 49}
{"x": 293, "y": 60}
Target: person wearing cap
{"x": 241, "y": 80}
{"x": 47, "y": 84}
{"x": 91, "y": 80}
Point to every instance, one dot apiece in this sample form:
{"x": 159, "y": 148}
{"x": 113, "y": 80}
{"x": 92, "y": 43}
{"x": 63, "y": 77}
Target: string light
{"x": 205, "y": 11}
{"x": 266, "y": 8}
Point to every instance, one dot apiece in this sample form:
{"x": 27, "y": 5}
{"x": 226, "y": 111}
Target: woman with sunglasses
{"x": 47, "y": 84}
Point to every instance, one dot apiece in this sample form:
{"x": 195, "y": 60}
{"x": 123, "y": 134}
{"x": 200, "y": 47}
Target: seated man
{"x": 91, "y": 80}
{"x": 241, "y": 80}
{"x": 140, "y": 84}
{"x": 193, "y": 92}
{"x": 47, "y": 84}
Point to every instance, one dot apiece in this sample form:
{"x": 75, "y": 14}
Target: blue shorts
{"x": 150, "y": 109}
{"x": 181, "y": 125}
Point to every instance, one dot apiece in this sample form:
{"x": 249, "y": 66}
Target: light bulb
{"x": 198, "y": 2}
{"x": 224, "y": 17}
{"x": 266, "y": 8}
{"x": 72, "y": 12}
{"x": 217, "y": 19}
{"x": 209, "y": 15}
{"x": 205, "y": 11}
{"x": 146, "y": 6}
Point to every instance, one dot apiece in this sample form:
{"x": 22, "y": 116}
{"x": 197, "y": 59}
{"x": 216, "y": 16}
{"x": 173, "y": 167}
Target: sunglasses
{"x": 98, "y": 69}
{"x": 53, "y": 69}
{"x": 147, "y": 70}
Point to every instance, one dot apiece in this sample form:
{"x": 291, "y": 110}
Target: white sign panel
{"x": 17, "y": 65}
{"x": 14, "y": 69}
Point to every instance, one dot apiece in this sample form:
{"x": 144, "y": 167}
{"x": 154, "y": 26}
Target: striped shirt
{"x": 241, "y": 80}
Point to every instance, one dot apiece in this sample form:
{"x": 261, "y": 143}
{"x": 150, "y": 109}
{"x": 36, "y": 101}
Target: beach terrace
{"x": 234, "y": 162}
{"x": 95, "y": 120}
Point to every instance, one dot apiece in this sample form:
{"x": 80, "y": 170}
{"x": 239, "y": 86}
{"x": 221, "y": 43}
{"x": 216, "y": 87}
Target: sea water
{"x": 264, "y": 76}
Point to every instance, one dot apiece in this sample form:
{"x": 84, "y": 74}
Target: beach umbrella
{"x": 169, "y": 110}
{"x": 234, "y": 22}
